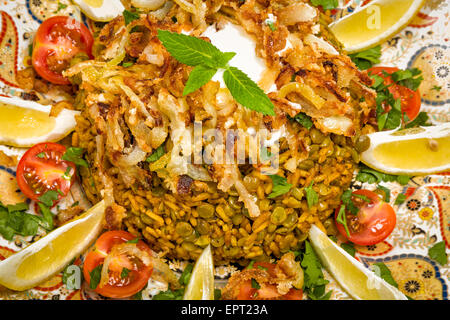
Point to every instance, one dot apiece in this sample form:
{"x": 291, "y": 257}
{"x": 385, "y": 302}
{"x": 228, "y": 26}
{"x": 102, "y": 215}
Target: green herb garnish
{"x": 130, "y": 16}
{"x": 75, "y": 155}
{"x": 366, "y": 59}
{"x": 349, "y": 247}
{"x": 384, "y": 273}
{"x": 400, "y": 199}
{"x": 95, "y": 275}
{"x": 280, "y": 186}
{"x": 315, "y": 283}
{"x": 311, "y": 196}
{"x": 326, "y": 4}
{"x": 303, "y": 119}
{"x": 255, "y": 284}
{"x": 186, "y": 275}
{"x": 207, "y": 60}
{"x": 158, "y": 153}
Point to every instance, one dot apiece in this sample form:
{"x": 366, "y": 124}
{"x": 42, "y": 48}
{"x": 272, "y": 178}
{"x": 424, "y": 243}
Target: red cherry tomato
{"x": 41, "y": 169}
{"x": 267, "y": 291}
{"x": 373, "y": 223}
{"x": 58, "y": 40}
{"x": 410, "y": 100}
{"x": 119, "y": 285}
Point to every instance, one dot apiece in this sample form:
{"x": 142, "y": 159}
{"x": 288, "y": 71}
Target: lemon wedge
{"x": 415, "y": 151}
{"x": 357, "y": 280}
{"x": 201, "y": 283}
{"x": 50, "y": 254}
{"x": 101, "y": 10}
{"x": 374, "y": 23}
{"x": 25, "y": 123}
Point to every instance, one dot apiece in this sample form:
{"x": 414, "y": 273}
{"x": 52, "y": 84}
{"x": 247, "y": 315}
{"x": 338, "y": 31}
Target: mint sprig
{"x": 207, "y": 60}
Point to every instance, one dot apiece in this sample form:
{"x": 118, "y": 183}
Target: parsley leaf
{"x": 47, "y": 215}
{"x": 246, "y": 91}
{"x": 366, "y": 59}
{"x": 410, "y": 78}
{"x": 311, "y": 196}
{"x": 158, "y": 153}
{"x": 326, "y": 4}
{"x": 186, "y": 275}
{"x": 370, "y": 175}
{"x": 255, "y": 284}
{"x": 421, "y": 120}
{"x": 387, "y": 193}
{"x": 437, "y": 253}
{"x": 384, "y": 273}
{"x": 303, "y": 119}
{"x": 315, "y": 282}
{"x": 74, "y": 155}
{"x": 124, "y": 273}
{"x": 280, "y": 186}
{"x": 130, "y": 16}
{"x": 49, "y": 197}
{"x": 349, "y": 247}
{"x": 95, "y": 275}
{"x": 60, "y": 7}
{"x": 400, "y": 199}
{"x": 170, "y": 295}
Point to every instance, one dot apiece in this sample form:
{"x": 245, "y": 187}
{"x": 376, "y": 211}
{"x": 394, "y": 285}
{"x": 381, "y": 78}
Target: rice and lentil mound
{"x": 128, "y": 113}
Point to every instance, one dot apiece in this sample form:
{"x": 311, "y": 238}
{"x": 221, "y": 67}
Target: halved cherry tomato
{"x": 41, "y": 169}
{"x": 410, "y": 100}
{"x": 57, "y": 40}
{"x": 119, "y": 285}
{"x": 266, "y": 291}
{"x": 373, "y": 223}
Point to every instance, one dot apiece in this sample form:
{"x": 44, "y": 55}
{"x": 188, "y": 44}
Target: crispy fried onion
{"x": 297, "y": 12}
{"x": 232, "y": 177}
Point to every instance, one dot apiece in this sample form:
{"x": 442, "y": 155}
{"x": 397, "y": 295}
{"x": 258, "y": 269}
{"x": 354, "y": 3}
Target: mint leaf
{"x": 198, "y": 77}
{"x": 247, "y": 92}
{"x": 189, "y": 50}
{"x": 280, "y": 186}
{"x": 437, "y": 253}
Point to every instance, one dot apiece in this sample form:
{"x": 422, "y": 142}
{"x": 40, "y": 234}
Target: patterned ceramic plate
{"x": 422, "y": 220}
